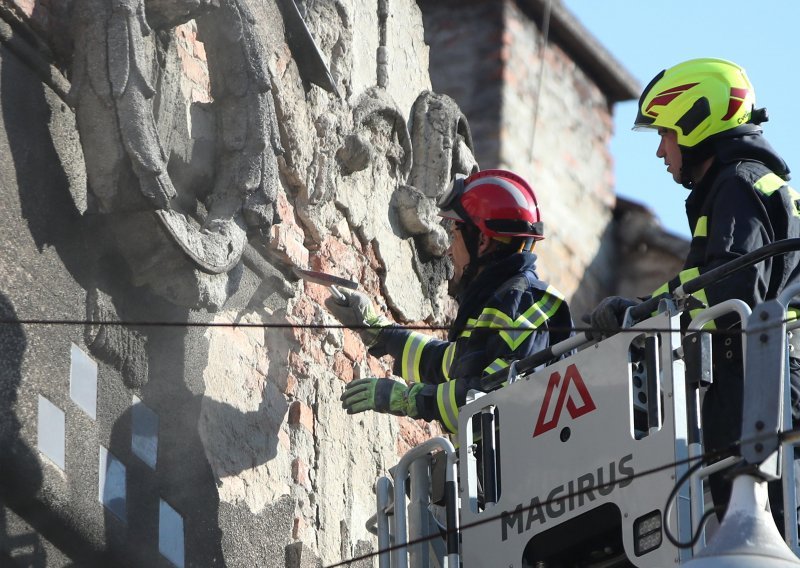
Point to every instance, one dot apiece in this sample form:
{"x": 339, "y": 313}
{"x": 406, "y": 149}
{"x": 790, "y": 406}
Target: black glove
{"x": 606, "y": 318}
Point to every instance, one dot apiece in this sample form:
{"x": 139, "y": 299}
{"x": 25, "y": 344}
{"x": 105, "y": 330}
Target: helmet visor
{"x": 644, "y": 127}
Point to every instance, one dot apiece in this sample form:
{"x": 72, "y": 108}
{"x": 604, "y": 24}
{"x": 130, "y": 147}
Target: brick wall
{"x": 487, "y": 56}
{"x": 467, "y": 60}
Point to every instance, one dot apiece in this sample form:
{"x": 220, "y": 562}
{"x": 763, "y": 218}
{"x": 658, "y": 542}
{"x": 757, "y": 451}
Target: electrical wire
{"x": 671, "y": 499}
{"x": 599, "y": 331}
{"x": 543, "y": 49}
{"x": 355, "y": 327}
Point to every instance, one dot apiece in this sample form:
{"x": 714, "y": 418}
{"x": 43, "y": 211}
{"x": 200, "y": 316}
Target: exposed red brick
{"x": 352, "y": 346}
{"x": 194, "y": 69}
{"x": 301, "y": 414}
{"x": 298, "y": 527}
{"x": 200, "y": 51}
{"x": 290, "y": 385}
{"x": 378, "y": 368}
{"x": 372, "y": 257}
{"x": 304, "y": 310}
{"x": 300, "y": 474}
{"x": 337, "y": 257}
{"x": 343, "y": 367}
{"x": 298, "y": 363}
{"x": 287, "y": 242}
{"x": 285, "y": 209}
{"x": 316, "y": 293}
{"x": 27, "y": 6}
{"x": 412, "y": 433}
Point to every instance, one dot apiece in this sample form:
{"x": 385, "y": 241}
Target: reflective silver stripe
{"x": 471, "y": 323}
{"x": 412, "y": 354}
{"x": 543, "y": 310}
{"x": 495, "y": 366}
{"x": 448, "y": 409}
{"x": 514, "y": 332}
{"x": 513, "y": 190}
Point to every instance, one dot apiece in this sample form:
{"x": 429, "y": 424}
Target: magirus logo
{"x": 572, "y": 394}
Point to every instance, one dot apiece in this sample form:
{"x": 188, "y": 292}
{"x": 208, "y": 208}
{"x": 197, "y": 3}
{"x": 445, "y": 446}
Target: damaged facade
{"x": 172, "y": 397}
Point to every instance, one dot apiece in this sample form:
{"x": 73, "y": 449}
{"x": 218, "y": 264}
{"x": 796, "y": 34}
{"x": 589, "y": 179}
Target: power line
{"x": 542, "y": 50}
{"x": 357, "y": 327}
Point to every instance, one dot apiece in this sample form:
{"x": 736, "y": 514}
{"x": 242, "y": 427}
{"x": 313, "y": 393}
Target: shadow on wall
{"x": 166, "y": 510}
{"x": 162, "y": 503}
{"x": 20, "y": 476}
{"x": 53, "y": 221}
{"x": 46, "y": 204}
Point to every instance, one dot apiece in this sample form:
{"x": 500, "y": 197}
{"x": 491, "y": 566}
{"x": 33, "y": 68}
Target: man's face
{"x": 669, "y": 150}
{"x": 458, "y": 254}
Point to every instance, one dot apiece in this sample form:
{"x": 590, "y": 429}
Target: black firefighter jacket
{"x": 742, "y": 204}
{"x": 505, "y": 314}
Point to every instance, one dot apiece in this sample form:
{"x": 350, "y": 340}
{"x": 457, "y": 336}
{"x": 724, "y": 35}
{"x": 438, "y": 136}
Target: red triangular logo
{"x": 585, "y": 405}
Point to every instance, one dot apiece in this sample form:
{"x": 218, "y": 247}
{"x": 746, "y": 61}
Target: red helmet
{"x": 498, "y": 202}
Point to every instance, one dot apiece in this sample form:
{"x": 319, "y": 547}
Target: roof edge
{"x": 567, "y": 31}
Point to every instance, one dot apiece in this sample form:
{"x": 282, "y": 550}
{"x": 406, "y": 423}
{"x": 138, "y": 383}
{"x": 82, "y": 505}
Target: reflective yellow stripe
{"x": 663, "y": 289}
{"x": 701, "y": 295}
{"x": 526, "y": 322}
{"x": 446, "y": 399}
{"x": 447, "y": 360}
{"x": 701, "y": 229}
{"x": 691, "y": 274}
{"x": 769, "y": 184}
{"x": 412, "y": 354}
{"x": 792, "y": 314}
{"x": 495, "y": 366}
{"x": 471, "y": 324}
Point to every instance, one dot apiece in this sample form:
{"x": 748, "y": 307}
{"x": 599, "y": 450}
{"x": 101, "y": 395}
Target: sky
{"x": 647, "y": 36}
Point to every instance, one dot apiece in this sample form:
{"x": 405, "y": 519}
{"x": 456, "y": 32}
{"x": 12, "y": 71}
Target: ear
{"x": 485, "y": 243}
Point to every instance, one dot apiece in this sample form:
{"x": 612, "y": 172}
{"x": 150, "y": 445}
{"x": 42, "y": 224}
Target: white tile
{"x": 144, "y": 432}
{"x": 50, "y": 431}
{"x": 83, "y": 381}
{"x": 170, "y": 534}
{"x": 111, "y": 490}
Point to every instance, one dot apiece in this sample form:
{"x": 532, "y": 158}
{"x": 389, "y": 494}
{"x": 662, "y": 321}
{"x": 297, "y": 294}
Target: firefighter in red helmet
{"x": 505, "y": 311}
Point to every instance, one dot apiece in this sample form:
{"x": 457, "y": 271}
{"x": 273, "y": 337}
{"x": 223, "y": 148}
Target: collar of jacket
{"x": 750, "y": 145}
{"x": 485, "y": 284}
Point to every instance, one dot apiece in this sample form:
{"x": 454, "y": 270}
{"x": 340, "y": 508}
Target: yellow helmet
{"x": 697, "y": 99}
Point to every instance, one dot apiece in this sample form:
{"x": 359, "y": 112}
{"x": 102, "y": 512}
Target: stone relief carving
{"x": 442, "y": 144}
{"x": 185, "y": 240}
{"x": 117, "y": 345}
{"x": 115, "y": 72}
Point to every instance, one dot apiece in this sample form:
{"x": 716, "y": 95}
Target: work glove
{"x": 381, "y": 395}
{"x": 354, "y": 308}
{"x": 606, "y": 318}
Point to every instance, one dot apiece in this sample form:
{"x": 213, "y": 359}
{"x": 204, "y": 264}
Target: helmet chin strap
{"x": 471, "y": 236}
{"x": 477, "y": 261}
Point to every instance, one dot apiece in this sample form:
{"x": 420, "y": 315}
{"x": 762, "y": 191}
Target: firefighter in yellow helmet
{"x": 711, "y": 142}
